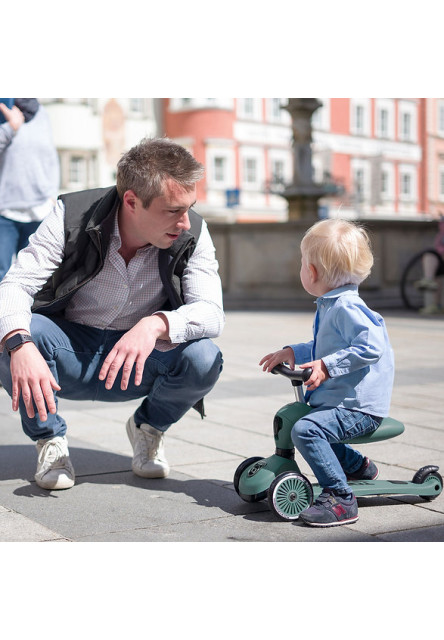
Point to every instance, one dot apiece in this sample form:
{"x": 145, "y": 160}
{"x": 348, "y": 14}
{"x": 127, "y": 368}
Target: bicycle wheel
{"x": 411, "y": 293}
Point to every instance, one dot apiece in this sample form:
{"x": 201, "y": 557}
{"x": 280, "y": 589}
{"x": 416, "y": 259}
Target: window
{"x": 250, "y": 108}
{"x": 407, "y": 121}
{"x": 137, "y": 105}
{"x": 250, "y": 170}
{"x": 441, "y": 183}
{"x": 361, "y": 179}
{"x": 219, "y": 169}
{"x": 359, "y": 122}
{"x": 360, "y": 116}
{"x": 385, "y": 117}
{"x": 277, "y": 171}
{"x": 383, "y": 123}
{"x": 406, "y": 126}
{"x": 384, "y": 183}
{"x": 77, "y": 170}
{"x": 407, "y": 183}
{"x": 221, "y": 165}
{"x": 321, "y": 117}
{"x": 359, "y": 184}
{"x": 441, "y": 118}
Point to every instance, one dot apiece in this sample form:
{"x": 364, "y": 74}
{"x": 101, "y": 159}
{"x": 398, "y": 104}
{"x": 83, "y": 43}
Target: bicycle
{"x": 421, "y": 281}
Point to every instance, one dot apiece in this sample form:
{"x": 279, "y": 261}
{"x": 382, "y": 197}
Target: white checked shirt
{"x": 120, "y": 295}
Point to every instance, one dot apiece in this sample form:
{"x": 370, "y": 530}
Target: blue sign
{"x": 232, "y": 197}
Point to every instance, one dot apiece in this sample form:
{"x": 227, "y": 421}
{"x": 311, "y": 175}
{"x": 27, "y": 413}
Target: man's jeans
{"x": 13, "y": 237}
{"x": 317, "y": 437}
{"x": 173, "y": 381}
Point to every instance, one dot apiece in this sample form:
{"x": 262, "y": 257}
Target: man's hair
{"x": 340, "y": 250}
{"x": 144, "y": 168}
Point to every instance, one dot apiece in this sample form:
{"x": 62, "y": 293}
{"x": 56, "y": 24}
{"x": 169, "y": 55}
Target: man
{"x": 107, "y": 323}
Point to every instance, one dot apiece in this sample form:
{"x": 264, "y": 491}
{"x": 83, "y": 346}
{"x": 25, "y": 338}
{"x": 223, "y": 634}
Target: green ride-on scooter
{"x": 279, "y": 479}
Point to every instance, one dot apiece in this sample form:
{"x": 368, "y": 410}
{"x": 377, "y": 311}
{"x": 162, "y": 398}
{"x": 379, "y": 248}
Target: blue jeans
{"x": 317, "y": 437}
{"x": 13, "y": 237}
{"x": 173, "y": 381}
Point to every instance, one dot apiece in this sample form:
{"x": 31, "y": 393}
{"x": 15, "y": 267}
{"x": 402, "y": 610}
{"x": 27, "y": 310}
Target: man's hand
{"x": 319, "y": 375}
{"x": 133, "y": 348}
{"x": 32, "y": 378}
{"x": 14, "y": 116}
{"x": 278, "y": 357}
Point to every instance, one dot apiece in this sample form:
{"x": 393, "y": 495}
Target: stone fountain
{"x": 303, "y": 193}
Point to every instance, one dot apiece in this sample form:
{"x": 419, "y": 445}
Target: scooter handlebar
{"x": 302, "y": 375}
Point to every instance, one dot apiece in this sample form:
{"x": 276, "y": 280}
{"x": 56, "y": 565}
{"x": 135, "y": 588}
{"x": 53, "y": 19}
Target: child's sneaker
{"x": 330, "y": 510}
{"x": 367, "y": 471}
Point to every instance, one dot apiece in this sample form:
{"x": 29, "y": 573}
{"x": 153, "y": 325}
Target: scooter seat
{"x": 389, "y": 428}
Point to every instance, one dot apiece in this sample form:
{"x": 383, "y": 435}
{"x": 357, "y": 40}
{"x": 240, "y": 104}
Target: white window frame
{"x": 359, "y": 165}
{"x": 256, "y": 154}
{"x": 283, "y": 157}
{"x": 410, "y": 109}
{"x": 77, "y": 169}
{"x": 388, "y": 169}
{"x": 441, "y": 182}
{"x": 321, "y": 117}
{"x": 245, "y": 114}
{"x": 440, "y": 117}
{"x": 410, "y": 171}
{"x": 227, "y": 154}
{"x": 387, "y": 106}
{"x": 364, "y": 104}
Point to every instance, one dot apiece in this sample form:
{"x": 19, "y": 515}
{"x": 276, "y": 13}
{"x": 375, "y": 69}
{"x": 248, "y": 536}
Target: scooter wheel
{"x": 239, "y": 471}
{"x": 429, "y": 475}
{"x": 289, "y": 494}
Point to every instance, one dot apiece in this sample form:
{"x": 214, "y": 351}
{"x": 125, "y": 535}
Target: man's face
{"x": 167, "y": 216}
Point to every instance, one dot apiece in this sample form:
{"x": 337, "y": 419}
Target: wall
{"x": 259, "y": 263}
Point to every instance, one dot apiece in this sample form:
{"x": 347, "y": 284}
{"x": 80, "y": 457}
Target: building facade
{"x": 387, "y": 154}
{"x": 90, "y": 135}
{"x": 373, "y": 147}
{"x": 245, "y": 145}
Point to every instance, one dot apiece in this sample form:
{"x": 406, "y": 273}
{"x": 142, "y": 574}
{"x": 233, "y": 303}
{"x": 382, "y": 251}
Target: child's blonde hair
{"x": 340, "y": 250}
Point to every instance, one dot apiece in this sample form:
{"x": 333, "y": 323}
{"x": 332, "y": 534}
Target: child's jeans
{"x": 317, "y": 437}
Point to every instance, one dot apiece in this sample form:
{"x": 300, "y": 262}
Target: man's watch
{"x": 16, "y": 341}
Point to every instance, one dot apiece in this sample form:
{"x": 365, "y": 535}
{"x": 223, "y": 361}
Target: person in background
{"x": 29, "y": 174}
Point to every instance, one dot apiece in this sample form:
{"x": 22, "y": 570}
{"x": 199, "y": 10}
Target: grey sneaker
{"x": 330, "y": 510}
{"x": 54, "y": 468}
{"x": 149, "y": 457}
{"x": 367, "y": 471}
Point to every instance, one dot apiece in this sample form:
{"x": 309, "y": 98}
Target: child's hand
{"x": 319, "y": 375}
{"x": 278, "y": 357}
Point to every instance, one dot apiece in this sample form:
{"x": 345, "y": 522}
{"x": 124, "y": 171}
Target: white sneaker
{"x": 149, "y": 457}
{"x": 54, "y": 468}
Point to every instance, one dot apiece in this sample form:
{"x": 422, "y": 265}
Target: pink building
{"x": 373, "y": 147}
{"x": 245, "y": 145}
{"x": 434, "y": 155}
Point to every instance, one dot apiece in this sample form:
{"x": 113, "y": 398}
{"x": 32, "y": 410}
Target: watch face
{"x": 16, "y": 340}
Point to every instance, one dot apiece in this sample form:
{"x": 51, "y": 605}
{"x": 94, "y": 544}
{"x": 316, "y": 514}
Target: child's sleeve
{"x": 302, "y": 352}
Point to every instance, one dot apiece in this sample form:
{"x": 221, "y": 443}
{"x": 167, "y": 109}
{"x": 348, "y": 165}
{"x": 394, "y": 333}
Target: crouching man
{"x": 115, "y": 298}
